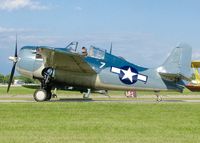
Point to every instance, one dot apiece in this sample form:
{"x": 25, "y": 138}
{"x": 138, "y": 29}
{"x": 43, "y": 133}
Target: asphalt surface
{"x": 112, "y": 99}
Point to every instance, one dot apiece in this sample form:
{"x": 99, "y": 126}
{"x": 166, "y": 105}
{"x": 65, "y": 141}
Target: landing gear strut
{"x": 44, "y": 93}
{"x": 54, "y": 95}
{"x": 87, "y": 94}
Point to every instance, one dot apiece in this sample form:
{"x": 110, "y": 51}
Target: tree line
{"x": 4, "y": 79}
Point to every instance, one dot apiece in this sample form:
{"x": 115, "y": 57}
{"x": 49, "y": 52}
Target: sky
{"x": 142, "y": 31}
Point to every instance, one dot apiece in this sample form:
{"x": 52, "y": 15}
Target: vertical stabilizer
{"x": 178, "y": 62}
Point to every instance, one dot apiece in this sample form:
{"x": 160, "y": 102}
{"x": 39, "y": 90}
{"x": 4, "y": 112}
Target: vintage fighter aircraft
{"x": 99, "y": 70}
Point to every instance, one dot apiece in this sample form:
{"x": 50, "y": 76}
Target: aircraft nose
{"x": 26, "y": 61}
{"x": 13, "y": 59}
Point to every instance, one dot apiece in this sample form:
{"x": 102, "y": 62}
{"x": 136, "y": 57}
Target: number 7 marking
{"x": 102, "y": 65}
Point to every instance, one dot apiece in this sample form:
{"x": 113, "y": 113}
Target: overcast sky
{"x": 142, "y": 31}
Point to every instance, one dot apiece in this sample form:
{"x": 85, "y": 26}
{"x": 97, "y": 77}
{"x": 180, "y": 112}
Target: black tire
{"x": 40, "y": 95}
{"x": 49, "y": 95}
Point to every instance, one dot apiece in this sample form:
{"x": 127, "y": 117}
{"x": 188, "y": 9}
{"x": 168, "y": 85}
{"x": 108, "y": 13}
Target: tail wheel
{"x": 40, "y": 95}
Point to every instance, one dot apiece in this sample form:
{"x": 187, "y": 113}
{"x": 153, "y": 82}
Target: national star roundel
{"x": 128, "y": 75}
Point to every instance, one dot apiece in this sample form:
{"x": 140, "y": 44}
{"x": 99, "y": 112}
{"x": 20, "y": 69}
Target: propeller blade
{"x": 11, "y": 76}
{"x": 16, "y": 47}
{"x": 13, "y": 68}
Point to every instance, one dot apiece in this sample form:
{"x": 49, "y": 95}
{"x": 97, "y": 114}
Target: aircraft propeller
{"x": 14, "y": 59}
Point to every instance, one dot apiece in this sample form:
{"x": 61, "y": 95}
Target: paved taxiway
{"x": 112, "y": 99}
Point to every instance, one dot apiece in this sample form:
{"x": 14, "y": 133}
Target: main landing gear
{"x": 44, "y": 93}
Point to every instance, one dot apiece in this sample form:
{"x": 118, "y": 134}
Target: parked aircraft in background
{"x": 98, "y": 70}
{"x": 194, "y": 85}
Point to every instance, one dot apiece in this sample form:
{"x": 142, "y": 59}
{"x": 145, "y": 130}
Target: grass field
{"x": 99, "y": 122}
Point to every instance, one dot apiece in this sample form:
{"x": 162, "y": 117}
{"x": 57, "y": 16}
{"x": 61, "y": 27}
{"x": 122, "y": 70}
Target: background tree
{"x": 6, "y": 79}
{"x": 1, "y": 78}
{"x": 25, "y": 79}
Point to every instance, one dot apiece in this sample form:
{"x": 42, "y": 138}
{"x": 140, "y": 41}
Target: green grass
{"x": 99, "y": 123}
{"x": 16, "y": 91}
{"x": 27, "y": 91}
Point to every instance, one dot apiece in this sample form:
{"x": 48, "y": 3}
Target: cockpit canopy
{"x": 96, "y": 52}
{"x": 93, "y": 52}
{"x": 72, "y": 47}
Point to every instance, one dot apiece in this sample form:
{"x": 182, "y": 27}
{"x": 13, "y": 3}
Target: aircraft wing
{"x": 195, "y": 64}
{"x": 63, "y": 60}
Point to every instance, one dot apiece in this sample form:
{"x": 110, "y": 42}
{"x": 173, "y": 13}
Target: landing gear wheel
{"x": 44, "y": 93}
{"x": 85, "y": 95}
{"x": 158, "y": 97}
{"x": 40, "y": 95}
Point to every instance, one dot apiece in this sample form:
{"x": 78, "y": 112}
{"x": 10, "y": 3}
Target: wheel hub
{"x": 40, "y": 95}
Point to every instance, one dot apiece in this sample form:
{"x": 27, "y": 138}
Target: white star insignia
{"x": 128, "y": 74}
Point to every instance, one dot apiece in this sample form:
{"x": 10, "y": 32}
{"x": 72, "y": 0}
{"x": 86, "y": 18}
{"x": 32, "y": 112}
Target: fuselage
{"x": 111, "y": 72}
